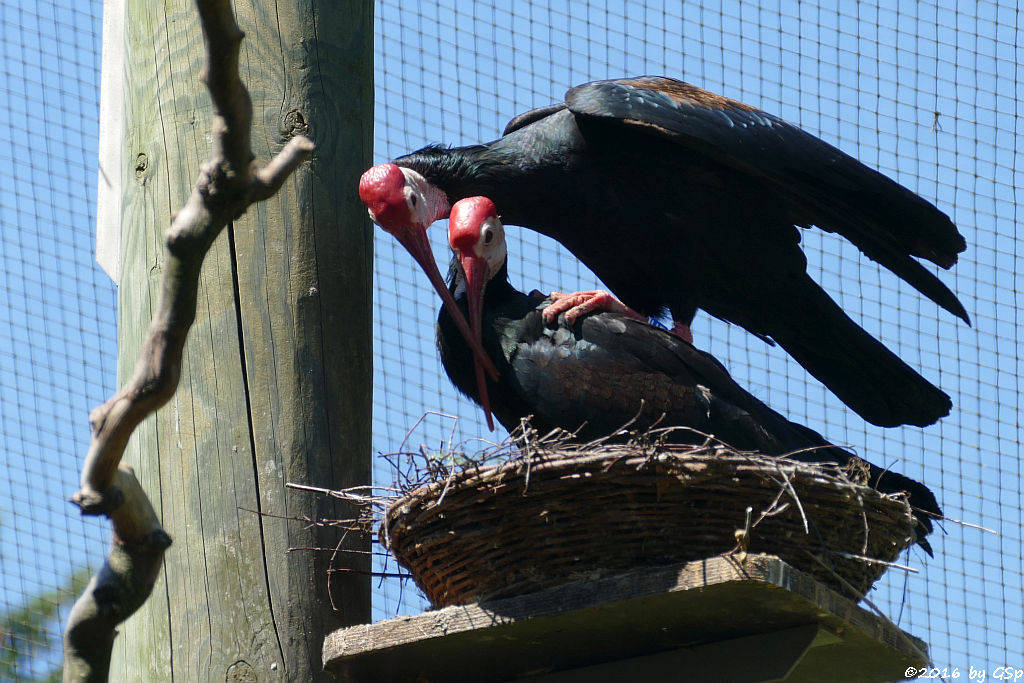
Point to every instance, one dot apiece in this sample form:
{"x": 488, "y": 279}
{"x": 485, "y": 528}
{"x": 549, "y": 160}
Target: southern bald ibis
{"x": 679, "y": 199}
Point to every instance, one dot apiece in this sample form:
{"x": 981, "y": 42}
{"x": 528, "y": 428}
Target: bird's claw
{"x": 578, "y": 304}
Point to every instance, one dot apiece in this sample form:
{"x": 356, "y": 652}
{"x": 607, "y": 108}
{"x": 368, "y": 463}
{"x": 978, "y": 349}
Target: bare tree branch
{"x": 229, "y": 181}
{"x": 121, "y": 585}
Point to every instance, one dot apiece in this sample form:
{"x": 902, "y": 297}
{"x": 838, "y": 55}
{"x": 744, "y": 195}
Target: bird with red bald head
{"x": 679, "y": 199}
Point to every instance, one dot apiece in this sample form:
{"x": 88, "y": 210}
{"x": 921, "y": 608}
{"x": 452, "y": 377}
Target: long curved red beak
{"x": 475, "y": 269}
{"x": 415, "y": 241}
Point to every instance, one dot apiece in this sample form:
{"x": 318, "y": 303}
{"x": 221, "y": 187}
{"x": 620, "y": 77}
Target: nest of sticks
{"x": 545, "y": 512}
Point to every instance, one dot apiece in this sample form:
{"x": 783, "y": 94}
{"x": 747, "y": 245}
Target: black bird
{"x": 607, "y": 369}
{"x": 679, "y": 199}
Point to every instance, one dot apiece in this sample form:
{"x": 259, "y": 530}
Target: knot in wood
{"x": 295, "y": 124}
{"x": 240, "y": 672}
{"x": 141, "y": 167}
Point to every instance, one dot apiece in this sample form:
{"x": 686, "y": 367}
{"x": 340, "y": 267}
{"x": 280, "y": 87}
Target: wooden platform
{"x": 718, "y": 619}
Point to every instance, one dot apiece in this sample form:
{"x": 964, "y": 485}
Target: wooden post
{"x": 276, "y": 380}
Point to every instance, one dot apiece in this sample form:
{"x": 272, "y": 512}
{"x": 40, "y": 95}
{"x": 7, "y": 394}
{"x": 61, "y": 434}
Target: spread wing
{"x": 821, "y": 185}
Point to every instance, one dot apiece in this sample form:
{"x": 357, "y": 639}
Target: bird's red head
{"x": 478, "y": 238}
{"x": 404, "y": 204}
{"x": 466, "y": 222}
{"x": 401, "y": 199}
{"x": 382, "y": 189}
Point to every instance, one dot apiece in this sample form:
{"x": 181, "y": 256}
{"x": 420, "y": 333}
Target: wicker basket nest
{"x": 491, "y": 531}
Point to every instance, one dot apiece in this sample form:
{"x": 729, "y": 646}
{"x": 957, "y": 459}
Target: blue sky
{"x": 925, "y": 94}
{"x": 57, "y": 309}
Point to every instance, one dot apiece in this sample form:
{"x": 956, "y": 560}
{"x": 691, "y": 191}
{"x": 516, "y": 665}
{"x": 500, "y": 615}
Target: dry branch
{"x": 229, "y": 181}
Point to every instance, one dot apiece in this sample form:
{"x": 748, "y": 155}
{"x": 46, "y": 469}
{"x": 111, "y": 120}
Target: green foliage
{"x": 29, "y": 631}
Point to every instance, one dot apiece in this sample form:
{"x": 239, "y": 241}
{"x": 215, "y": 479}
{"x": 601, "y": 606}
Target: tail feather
{"x": 858, "y": 368}
{"x": 759, "y": 427}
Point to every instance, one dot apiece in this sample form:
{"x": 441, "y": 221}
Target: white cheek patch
{"x": 496, "y": 251}
{"x": 413, "y": 178}
{"x": 431, "y": 203}
{"x": 412, "y": 198}
{"x": 496, "y": 257}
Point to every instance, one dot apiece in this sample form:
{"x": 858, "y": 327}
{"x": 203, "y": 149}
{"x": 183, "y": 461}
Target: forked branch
{"x": 229, "y": 181}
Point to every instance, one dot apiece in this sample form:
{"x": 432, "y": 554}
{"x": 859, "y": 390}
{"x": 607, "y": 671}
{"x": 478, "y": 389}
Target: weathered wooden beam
{"x": 760, "y": 658}
{"x": 276, "y": 376}
{"x": 713, "y": 617}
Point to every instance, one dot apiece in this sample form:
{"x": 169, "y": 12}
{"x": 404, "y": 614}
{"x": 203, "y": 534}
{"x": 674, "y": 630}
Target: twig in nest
{"x": 818, "y": 492}
{"x": 796, "y": 499}
{"x": 447, "y": 483}
{"x": 743, "y": 535}
{"x": 874, "y": 608}
{"x": 872, "y": 560}
{"x": 451, "y": 436}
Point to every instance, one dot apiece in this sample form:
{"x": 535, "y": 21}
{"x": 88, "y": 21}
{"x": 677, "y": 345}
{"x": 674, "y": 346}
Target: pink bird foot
{"x": 579, "y": 304}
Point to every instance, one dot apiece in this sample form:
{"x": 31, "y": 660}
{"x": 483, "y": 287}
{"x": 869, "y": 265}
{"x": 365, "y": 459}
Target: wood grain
{"x": 624, "y": 618}
{"x": 275, "y": 382}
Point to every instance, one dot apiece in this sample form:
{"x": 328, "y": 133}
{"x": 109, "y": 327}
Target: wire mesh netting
{"x": 58, "y": 343}
{"x": 924, "y": 93}
{"x": 927, "y": 95}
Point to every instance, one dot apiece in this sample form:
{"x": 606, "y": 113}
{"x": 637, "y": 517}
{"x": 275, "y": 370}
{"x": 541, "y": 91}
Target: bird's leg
{"x": 682, "y": 330}
{"x": 578, "y": 304}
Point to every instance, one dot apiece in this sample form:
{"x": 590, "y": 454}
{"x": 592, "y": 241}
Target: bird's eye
{"x": 412, "y": 198}
{"x": 488, "y": 236}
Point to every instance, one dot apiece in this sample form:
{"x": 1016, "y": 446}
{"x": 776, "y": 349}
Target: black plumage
{"x": 609, "y": 369}
{"x": 681, "y": 199}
